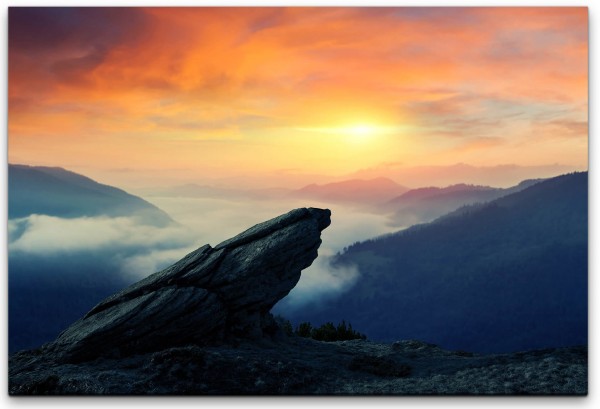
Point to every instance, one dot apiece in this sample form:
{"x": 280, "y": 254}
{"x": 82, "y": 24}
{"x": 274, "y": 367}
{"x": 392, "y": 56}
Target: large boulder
{"x": 210, "y": 296}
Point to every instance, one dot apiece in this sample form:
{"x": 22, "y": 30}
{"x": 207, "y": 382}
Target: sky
{"x": 174, "y": 93}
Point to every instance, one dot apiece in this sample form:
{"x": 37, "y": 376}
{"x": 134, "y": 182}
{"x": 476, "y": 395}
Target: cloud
{"x": 139, "y": 250}
{"x": 563, "y": 128}
{"x": 137, "y": 266}
{"x": 47, "y": 234}
{"x": 71, "y": 69}
{"x": 319, "y": 282}
{"x": 215, "y": 220}
{"x": 46, "y": 29}
{"x": 138, "y": 78}
{"x": 60, "y": 268}
{"x": 133, "y": 250}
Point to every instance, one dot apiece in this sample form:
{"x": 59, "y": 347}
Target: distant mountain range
{"x": 445, "y": 175}
{"x": 357, "y": 191}
{"x": 426, "y": 204}
{"x": 58, "y": 192}
{"x": 352, "y": 192}
{"x": 503, "y": 276}
{"x": 404, "y": 206}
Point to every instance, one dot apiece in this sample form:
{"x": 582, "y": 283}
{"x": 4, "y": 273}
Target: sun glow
{"x": 361, "y": 131}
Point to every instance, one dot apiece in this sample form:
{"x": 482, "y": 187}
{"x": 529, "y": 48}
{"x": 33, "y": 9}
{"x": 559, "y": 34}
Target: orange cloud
{"x": 194, "y": 83}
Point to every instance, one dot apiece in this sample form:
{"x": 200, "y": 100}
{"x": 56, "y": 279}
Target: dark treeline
{"x": 328, "y": 332}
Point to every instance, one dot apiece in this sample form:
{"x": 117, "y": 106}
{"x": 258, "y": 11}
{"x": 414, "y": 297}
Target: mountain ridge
{"x": 443, "y": 175}
{"x": 55, "y": 191}
{"x": 462, "y": 280}
{"x": 428, "y": 203}
{"x": 353, "y": 190}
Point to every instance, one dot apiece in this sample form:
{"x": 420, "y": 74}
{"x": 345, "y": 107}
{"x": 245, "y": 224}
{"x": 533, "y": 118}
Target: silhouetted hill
{"x": 352, "y": 191}
{"x": 428, "y": 203}
{"x": 444, "y": 175}
{"x": 426, "y": 192}
{"x": 504, "y": 276}
{"x": 61, "y": 193}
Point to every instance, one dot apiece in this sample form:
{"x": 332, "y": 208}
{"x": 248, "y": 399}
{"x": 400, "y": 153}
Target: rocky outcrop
{"x": 211, "y": 296}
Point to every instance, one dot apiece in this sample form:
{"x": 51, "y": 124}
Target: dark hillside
{"x": 61, "y": 193}
{"x": 505, "y": 276}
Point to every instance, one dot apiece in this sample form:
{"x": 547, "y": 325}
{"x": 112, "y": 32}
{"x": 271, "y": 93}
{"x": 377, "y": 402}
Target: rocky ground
{"x": 299, "y": 366}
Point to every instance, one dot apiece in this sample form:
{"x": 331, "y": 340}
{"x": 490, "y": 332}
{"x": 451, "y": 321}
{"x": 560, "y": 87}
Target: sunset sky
{"x": 206, "y": 92}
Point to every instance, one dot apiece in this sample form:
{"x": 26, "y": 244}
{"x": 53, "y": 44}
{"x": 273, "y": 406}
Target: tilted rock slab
{"x": 211, "y": 295}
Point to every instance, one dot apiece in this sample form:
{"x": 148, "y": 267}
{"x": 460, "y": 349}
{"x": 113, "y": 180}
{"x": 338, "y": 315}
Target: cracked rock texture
{"x": 211, "y": 296}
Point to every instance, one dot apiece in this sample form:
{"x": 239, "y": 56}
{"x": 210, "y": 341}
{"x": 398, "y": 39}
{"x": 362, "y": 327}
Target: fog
{"x": 133, "y": 250}
{"x": 214, "y": 220}
{"x": 136, "y": 250}
{"x": 42, "y": 234}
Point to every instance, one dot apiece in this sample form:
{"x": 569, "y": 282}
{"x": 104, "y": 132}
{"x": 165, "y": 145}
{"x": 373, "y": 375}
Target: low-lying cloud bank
{"x": 60, "y": 268}
{"x": 218, "y": 219}
{"x": 120, "y": 240}
{"x": 42, "y": 234}
{"x": 140, "y": 250}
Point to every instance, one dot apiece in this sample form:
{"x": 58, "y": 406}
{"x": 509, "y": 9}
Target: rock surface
{"x": 212, "y": 295}
{"x": 300, "y": 366}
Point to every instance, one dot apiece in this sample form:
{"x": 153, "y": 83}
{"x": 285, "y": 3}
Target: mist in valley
{"x": 60, "y": 268}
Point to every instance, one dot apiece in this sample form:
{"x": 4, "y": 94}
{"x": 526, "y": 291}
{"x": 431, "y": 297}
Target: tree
{"x": 304, "y": 330}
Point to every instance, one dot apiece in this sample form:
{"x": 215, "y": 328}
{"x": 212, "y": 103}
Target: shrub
{"x": 328, "y": 332}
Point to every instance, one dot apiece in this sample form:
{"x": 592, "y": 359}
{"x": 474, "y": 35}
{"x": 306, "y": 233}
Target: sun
{"x": 360, "y": 132}
{"x": 355, "y": 133}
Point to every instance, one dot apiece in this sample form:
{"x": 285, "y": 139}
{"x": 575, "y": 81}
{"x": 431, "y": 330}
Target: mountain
{"x": 426, "y": 204}
{"x": 355, "y": 191}
{"x": 503, "y": 276}
{"x": 444, "y": 175}
{"x": 58, "y": 192}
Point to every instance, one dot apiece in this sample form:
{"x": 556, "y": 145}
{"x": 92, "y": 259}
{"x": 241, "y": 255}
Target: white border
{"x": 119, "y": 402}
